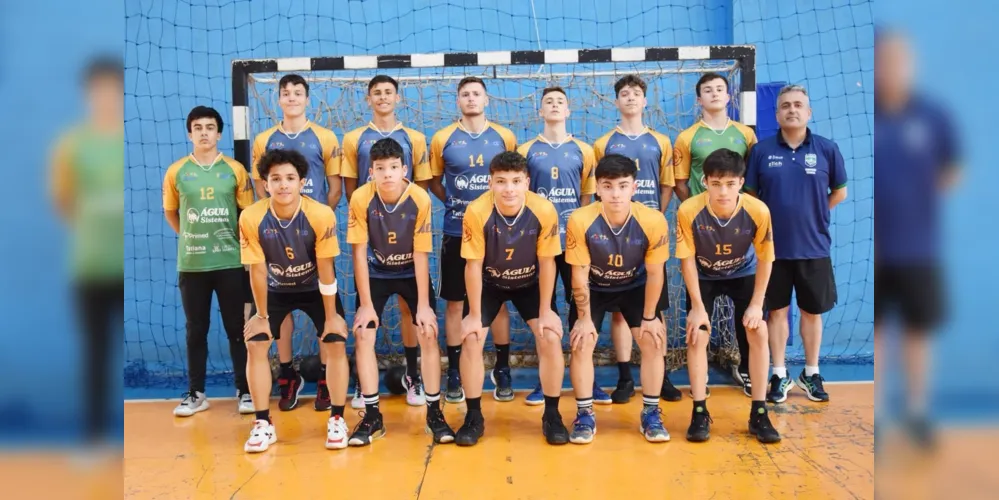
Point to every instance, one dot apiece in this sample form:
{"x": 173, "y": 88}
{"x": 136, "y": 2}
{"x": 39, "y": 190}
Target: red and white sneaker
{"x": 336, "y": 433}
{"x": 261, "y": 437}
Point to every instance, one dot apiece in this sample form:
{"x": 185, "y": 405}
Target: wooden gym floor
{"x": 826, "y": 452}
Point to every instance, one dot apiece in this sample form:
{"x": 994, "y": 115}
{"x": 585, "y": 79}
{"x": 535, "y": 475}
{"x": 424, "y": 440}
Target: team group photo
{"x": 497, "y": 253}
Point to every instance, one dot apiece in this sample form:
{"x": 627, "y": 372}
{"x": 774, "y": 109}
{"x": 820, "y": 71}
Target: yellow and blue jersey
{"x": 320, "y": 147}
{"x": 618, "y": 257}
{"x": 463, "y": 160}
{"x": 729, "y": 249}
{"x": 356, "y": 160}
{"x": 560, "y": 173}
{"x": 290, "y": 248}
{"x": 393, "y": 232}
{"x": 653, "y": 155}
{"x": 509, "y": 247}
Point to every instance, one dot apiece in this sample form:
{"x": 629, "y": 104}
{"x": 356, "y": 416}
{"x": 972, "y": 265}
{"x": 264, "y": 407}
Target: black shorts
{"x": 281, "y": 304}
{"x": 452, "y": 269}
{"x": 811, "y": 279}
{"x": 916, "y": 292}
{"x": 527, "y": 300}
{"x": 740, "y": 290}
{"x": 382, "y": 289}
{"x": 630, "y": 303}
{"x": 247, "y": 289}
{"x": 565, "y": 273}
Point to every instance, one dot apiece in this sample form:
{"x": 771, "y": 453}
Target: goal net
{"x": 514, "y": 83}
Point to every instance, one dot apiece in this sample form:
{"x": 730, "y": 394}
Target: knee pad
{"x": 332, "y": 338}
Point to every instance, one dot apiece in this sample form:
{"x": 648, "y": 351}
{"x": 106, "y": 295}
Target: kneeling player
{"x": 509, "y": 241}
{"x": 617, "y": 248}
{"x": 389, "y": 228}
{"x": 725, "y": 244}
{"x": 289, "y": 242}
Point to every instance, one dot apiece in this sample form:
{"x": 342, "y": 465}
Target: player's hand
{"x": 255, "y": 326}
{"x": 698, "y": 323}
{"x": 335, "y": 325}
{"x": 426, "y": 321}
{"x": 753, "y": 317}
{"x": 364, "y": 318}
{"x": 654, "y": 328}
{"x": 583, "y": 329}
{"x": 472, "y": 325}
{"x": 549, "y": 321}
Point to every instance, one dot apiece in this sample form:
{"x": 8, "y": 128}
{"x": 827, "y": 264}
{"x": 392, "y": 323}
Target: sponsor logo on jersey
{"x": 511, "y": 274}
{"x": 612, "y": 274}
{"x": 189, "y": 176}
{"x": 720, "y": 265}
{"x": 394, "y": 259}
{"x": 291, "y": 271}
{"x": 645, "y": 183}
{"x": 458, "y": 144}
{"x": 223, "y": 248}
{"x": 210, "y": 215}
{"x": 195, "y": 249}
{"x": 225, "y": 175}
{"x": 703, "y": 141}
{"x": 195, "y": 236}
{"x": 617, "y": 146}
{"x": 478, "y": 182}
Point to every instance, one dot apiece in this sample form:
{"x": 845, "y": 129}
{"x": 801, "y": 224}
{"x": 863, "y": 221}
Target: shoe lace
{"x": 286, "y": 386}
{"x": 702, "y": 419}
{"x": 186, "y": 398}
{"x": 436, "y": 421}
{"x": 817, "y": 381}
{"x": 584, "y": 418}
{"x": 322, "y": 390}
{"x": 416, "y": 385}
{"x": 653, "y": 418}
{"x": 763, "y": 422}
{"x": 365, "y": 424}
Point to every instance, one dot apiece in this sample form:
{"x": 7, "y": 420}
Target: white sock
{"x": 811, "y": 370}
{"x": 780, "y": 371}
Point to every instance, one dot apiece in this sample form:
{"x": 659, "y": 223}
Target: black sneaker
{"x": 624, "y": 391}
{"x": 504, "y": 384}
{"x": 700, "y": 426}
{"x": 454, "y": 393}
{"x": 367, "y": 430}
{"x": 553, "y": 429}
{"x": 812, "y": 387}
{"x": 742, "y": 378}
{"x": 322, "y": 402}
{"x": 920, "y": 432}
{"x": 760, "y": 426}
{"x": 437, "y": 426}
{"x": 779, "y": 387}
{"x": 290, "y": 389}
{"x": 471, "y": 430}
{"x": 669, "y": 392}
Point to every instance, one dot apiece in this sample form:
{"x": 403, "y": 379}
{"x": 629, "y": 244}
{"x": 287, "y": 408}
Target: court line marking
{"x": 233, "y": 398}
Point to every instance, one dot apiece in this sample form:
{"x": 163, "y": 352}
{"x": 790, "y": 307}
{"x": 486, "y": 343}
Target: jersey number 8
{"x": 554, "y": 173}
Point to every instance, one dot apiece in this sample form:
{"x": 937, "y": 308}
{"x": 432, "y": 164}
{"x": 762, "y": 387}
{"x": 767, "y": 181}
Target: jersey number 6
{"x": 289, "y": 252}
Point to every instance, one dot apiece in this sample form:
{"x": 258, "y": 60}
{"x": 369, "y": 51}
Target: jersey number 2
{"x": 391, "y": 237}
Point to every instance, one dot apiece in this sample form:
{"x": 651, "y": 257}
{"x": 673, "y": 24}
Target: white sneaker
{"x": 192, "y": 403}
{"x": 357, "y": 402}
{"x": 246, "y": 404}
{"x": 262, "y": 436}
{"x": 336, "y": 433}
{"x": 414, "y": 391}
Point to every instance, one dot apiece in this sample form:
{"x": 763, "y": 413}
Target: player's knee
{"x": 647, "y": 346}
{"x": 779, "y": 314}
{"x": 333, "y": 339}
{"x": 808, "y": 317}
{"x": 587, "y": 345}
{"x": 758, "y": 336}
{"x": 617, "y": 320}
{"x": 365, "y": 336}
{"x": 700, "y": 343}
{"x": 473, "y": 345}
{"x": 257, "y": 346}
{"x": 454, "y": 308}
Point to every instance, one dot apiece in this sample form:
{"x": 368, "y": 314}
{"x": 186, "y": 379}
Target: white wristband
{"x": 327, "y": 289}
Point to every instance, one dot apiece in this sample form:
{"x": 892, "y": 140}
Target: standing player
{"x": 725, "y": 245}
{"x": 801, "y": 177}
{"x": 460, "y": 154}
{"x": 383, "y": 96}
{"x": 510, "y": 240}
{"x": 918, "y": 164}
{"x": 87, "y": 175}
{"x": 389, "y": 229}
{"x": 289, "y": 241}
{"x": 617, "y": 248}
{"x": 320, "y": 148}
{"x": 561, "y": 170}
{"x": 714, "y": 131}
{"x": 653, "y": 157}
{"x": 202, "y": 195}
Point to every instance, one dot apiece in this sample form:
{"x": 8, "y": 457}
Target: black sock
{"x": 371, "y": 404}
{"x": 264, "y": 415}
{"x": 474, "y": 405}
{"x": 453, "y": 357}
{"x": 337, "y": 411}
{"x": 700, "y": 406}
{"x": 623, "y": 371}
{"x": 759, "y": 408}
{"x": 287, "y": 371}
{"x": 412, "y": 364}
{"x": 551, "y": 404}
{"x": 322, "y": 372}
{"x": 502, "y": 356}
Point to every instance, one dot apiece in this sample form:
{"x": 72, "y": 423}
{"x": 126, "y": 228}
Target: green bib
{"x": 209, "y": 231}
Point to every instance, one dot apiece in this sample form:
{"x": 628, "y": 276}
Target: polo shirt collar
{"x": 782, "y": 142}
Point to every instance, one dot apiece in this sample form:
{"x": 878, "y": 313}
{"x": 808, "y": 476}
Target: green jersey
{"x": 207, "y": 199}
{"x": 697, "y": 142}
{"x": 88, "y": 177}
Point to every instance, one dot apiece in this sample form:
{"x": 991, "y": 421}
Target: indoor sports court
{"x": 231, "y": 56}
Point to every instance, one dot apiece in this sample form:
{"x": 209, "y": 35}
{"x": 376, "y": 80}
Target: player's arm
{"x": 349, "y": 186}
{"x": 687, "y": 253}
{"x": 171, "y": 199}
{"x": 437, "y": 166}
{"x": 358, "y": 238}
{"x": 763, "y": 242}
{"x": 348, "y": 164}
{"x": 421, "y": 159}
{"x": 473, "y": 286}
{"x": 681, "y": 167}
{"x": 61, "y": 180}
{"x": 578, "y": 256}
{"x": 252, "y": 255}
{"x": 588, "y": 181}
{"x": 473, "y": 250}
{"x": 259, "y": 149}
{"x": 423, "y": 246}
{"x": 837, "y": 179}
{"x": 327, "y": 248}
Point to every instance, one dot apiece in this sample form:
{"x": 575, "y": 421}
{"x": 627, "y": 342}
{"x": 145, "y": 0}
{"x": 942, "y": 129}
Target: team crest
{"x": 811, "y": 160}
